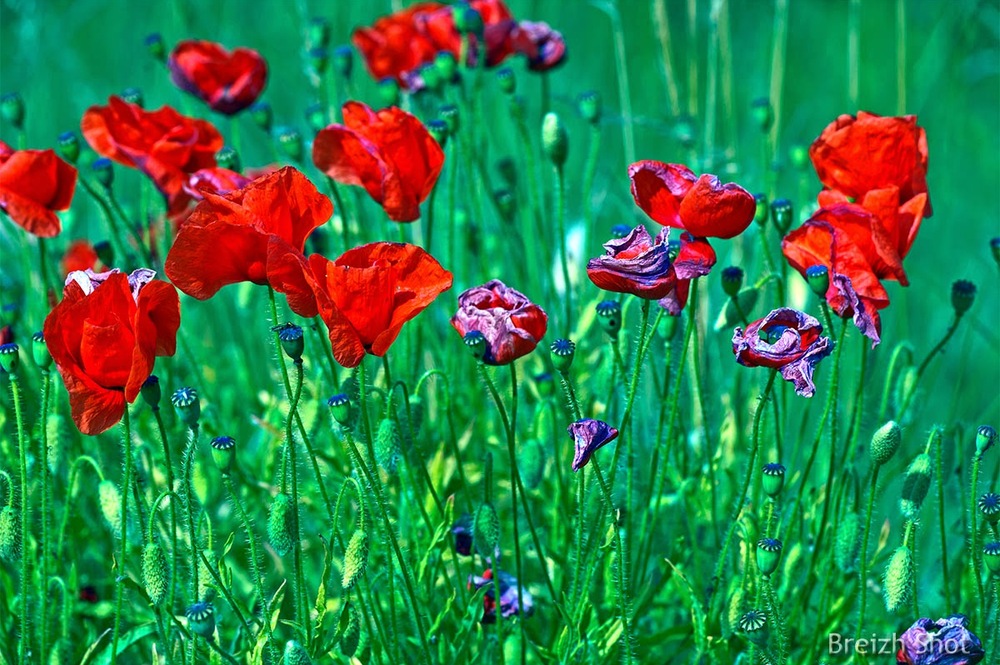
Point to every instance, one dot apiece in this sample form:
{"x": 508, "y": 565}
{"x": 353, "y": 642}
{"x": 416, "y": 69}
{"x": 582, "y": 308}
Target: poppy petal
{"x": 711, "y": 209}
{"x": 658, "y": 189}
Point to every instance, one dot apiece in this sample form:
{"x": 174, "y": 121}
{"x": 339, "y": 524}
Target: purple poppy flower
{"x": 941, "y": 642}
{"x": 589, "y": 435}
{"x": 511, "y": 324}
{"x": 510, "y": 604}
{"x": 544, "y": 47}
{"x": 786, "y": 340}
{"x": 865, "y": 318}
{"x": 462, "y": 530}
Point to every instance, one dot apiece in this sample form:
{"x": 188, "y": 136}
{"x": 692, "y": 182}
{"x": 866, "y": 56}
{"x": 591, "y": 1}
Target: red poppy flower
{"x": 228, "y": 81}
{"x": 215, "y": 180}
{"x": 365, "y": 296}
{"x": 6, "y": 335}
{"x": 163, "y": 144}
{"x": 80, "y": 255}
{"x": 543, "y": 47}
{"x": 225, "y": 239}
{"x": 856, "y": 155}
{"x": 396, "y": 44}
{"x": 498, "y": 28}
{"x": 104, "y": 337}
{"x": 33, "y": 185}
{"x": 511, "y": 324}
{"x": 390, "y": 153}
{"x": 787, "y": 340}
{"x": 672, "y": 195}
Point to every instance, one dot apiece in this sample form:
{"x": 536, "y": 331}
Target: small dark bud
{"x": 818, "y": 277}
{"x": 506, "y": 80}
{"x": 563, "y": 351}
{"x": 761, "y": 213}
{"x": 388, "y": 92}
{"x": 773, "y": 479}
{"x": 318, "y": 33}
{"x": 768, "y": 555}
{"x": 9, "y": 358}
{"x": 343, "y": 61}
{"x": 155, "y": 47}
{"x": 995, "y": 248}
{"x": 12, "y": 109}
{"x": 467, "y": 20}
{"x": 446, "y": 66}
{"x": 555, "y": 140}
{"x": 262, "y": 116}
{"x": 40, "y": 351}
{"x": 103, "y": 172}
{"x": 475, "y": 341}
{"x": 150, "y": 392}
{"x": 732, "y": 280}
{"x": 133, "y": 96}
{"x": 763, "y": 114}
{"x": 609, "y": 315}
{"x": 315, "y": 116}
{"x": 69, "y": 146}
{"x": 291, "y": 143}
{"x": 188, "y": 406}
{"x": 506, "y": 203}
{"x": 589, "y": 105}
{"x": 963, "y": 294}
{"x": 292, "y": 341}
{"x": 781, "y": 215}
{"x": 439, "y": 130}
{"x": 228, "y": 158}
{"x": 319, "y": 60}
{"x": 544, "y": 385}
{"x": 201, "y": 619}
{"x": 224, "y": 453}
{"x": 991, "y": 555}
{"x": 105, "y": 252}
{"x": 450, "y": 115}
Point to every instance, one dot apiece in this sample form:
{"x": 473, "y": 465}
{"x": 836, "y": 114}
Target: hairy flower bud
{"x": 885, "y": 442}
{"x": 279, "y": 525}
{"x": 356, "y": 559}
{"x": 155, "y": 573}
{"x": 848, "y": 542}
{"x": 10, "y": 534}
{"x": 387, "y": 445}
{"x": 555, "y": 140}
{"x": 898, "y": 579}
{"x": 916, "y": 483}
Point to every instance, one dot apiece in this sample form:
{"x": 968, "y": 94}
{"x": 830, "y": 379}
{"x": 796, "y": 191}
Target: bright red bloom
{"x": 672, "y": 195}
{"x": 163, "y": 144}
{"x": 856, "y": 155}
{"x": 225, "y": 239}
{"x": 80, "y": 255}
{"x": 511, "y": 324}
{"x": 787, "y": 340}
{"x": 396, "y": 44}
{"x": 33, "y": 185}
{"x": 215, "y": 180}
{"x": 104, "y": 337}
{"x": 228, "y": 81}
{"x": 365, "y": 296}
{"x": 390, "y": 153}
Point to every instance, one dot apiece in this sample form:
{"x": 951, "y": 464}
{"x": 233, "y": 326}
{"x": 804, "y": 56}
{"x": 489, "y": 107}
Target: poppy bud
{"x": 388, "y": 91}
{"x": 110, "y": 500}
{"x": 773, "y": 479}
{"x": 155, "y": 573}
{"x": 986, "y": 436}
{"x": 150, "y": 392}
{"x": 684, "y": 131}
{"x": 133, "y": 96}
{"x": 340, "y": 407}
{"x": 762, "y": 112}
{"x": 989, "y": 506}
{"x": 818, "y": 277}
{"x": 732, "y": 280}
{"x": 532, "y": 456}
{"x": 475, "y": 341}
{"x": 10, "y": 534}
{"x": 449, "y": 114}
{"x": 40, "y": 352}
{"x": 486, "y": 530}
{"x": 355, "y": 559}
{"x": 898, "y": 579}
{"x": 319, "y": 59}
{"x": 343, "y": 61}
{"x": 563, "y": 351}
{"x": 292, "y": 342}
{"x": 156, "y": 47}
{"x": 991, "y": 555}
{"x": 506, "y": 203}
{"x": 798, "y": 155}
{"x": 667, "y": 327}
{"x": 228, "y": 158}
{"x": 885, "y": 442}
{"x": 438, "y": 129}
{"x": 69, "y": 146}
{"x": 754, "y": 624}
{"x": 351, "y": 637}
{"x": 103, "y": 172}
{"x": 201, "y": 619}
{"x": 609, "y": 314}
{"x": 916, "y": 483}
{"x": 963, "y": 294}
{"x": 507, "y": 80}
{"x": 105, "y": 253}
{"x": 279, "y": 524}
{"x": 224, "y": 453}
{"x": 9, "y": 358}
{"x": 262, "y": 116}
{"x": 295, "y": 654}
{"x": 387, "y": 448}
{"x": 446, "y": 65}
{"x": 185, "y": 400}
{"x": 848, "y": 542}
{"x": 555, "y": 141}
{"x": 768, "y": 555}
{"x": 781, "y": 215}
{"x": 467, "y": 20}
{"x": 316, "y": 116}
{"x": 619, "y": 231}
{"x": 589, "y": 104}
{"x": 318, "y": 32}
{"x": 995, "y": 248}
{"x": 762, "y": 210}
{"x": 291, "y": 143}
{"x": 12, "y": 109}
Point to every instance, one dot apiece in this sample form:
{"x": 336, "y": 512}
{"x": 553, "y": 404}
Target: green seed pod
{"x": 467, "y": 20}
{"x": 763, "y": 114}
{"x": 762, "y": 210}
{"x": 989, "y": 506}
{"x": 732, "y": 280}
{"x": 40, "y": 351}
{"x": 768, "y": 555}
{"x": 963, "y": 294}
{"x": 110, "y": 500}
{"x": 295, "y": 654}
{"x": 773, "y": 479}
{"x": 589, "y": 105}
{"x": 781, "y": 215}
{"x": 388, "y": 91}
{"x": 279, "y": 525}
{"x": 898, "y": 579}
{"x": 343, "y": 61}
{"x": 798, "y": 155}
{"x": 155, "y": 46}
{"x": 916, "y": 483}
{"x": 340, "y": 407}
{"x": 609, "y": 315}
{"x": 201, "y": 619}
{"x": 262, "y": 116}
{"x": 228, "y": 158}
{"x": 387, "y": 448}
{"x": 150, "y": 392}
{"x": 69, "y": 148}
{"x": 446, "y": 65}
{"x": 224, "y": 453}
{"x": 292, "y": 340}
{"x": 754, "y": 625}
{"x": 818, "y": 277}
{"x": 885, "y": 442}
{"x": 188, "y": 406}
{"x": 439, "y": 132}
{"x": 848, "y": 542}
{"x": 475, "y": 342}
{"x": 350, "y": 637}
{"x": 10, "y": 534}
{"x": 532, "y": 462}
{"x": 667, "y": 327}
{"x": 563, "y": 351}
{"x": 991, "y": 555}
{"x": 9, "y": 358}
{"x": 555, "y": 140}
{"x": 133, "y": 96}
{"x": 356, "y": 559}
{"x": 986, "y": 436}
{"x": 506, "y": 80}
{"x": 103, "y": 171}
{"x": 290, "y": 141}
{"x": 12, "y": 109}
{"x": 155, "y": 573}
{"x": 486, "y": 530}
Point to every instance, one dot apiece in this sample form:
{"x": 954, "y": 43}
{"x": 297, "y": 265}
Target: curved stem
{"x": 923, "y": 365}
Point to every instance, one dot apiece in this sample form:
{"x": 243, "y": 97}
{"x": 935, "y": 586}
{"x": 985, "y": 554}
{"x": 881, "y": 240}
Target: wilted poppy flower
{"x": 365, "y": 296}
{"x": 543, "y": 47}
{"x": 511, "y": 324}
{"x": 215, "y": 180}
{"x": 589, "y": 435}
{"x": 942, "y": 642}
{"x": 672, "y": 195}
{"x": 786, "y": 340}
{"x": 163, "y": 144}
{"x": 511, "y": 602}
{"x": 639, "y": 265}
{"x": 33, "y": 185}
{"x": 857, "y": 155}
{"x": 80, "y": 255}
{"x": 390, "y": 153}
{"x": 104, "y": 337}
{"x": 225, "y": 239}
{"x": 228, "y": 81}
{"x": 462, "y": 531}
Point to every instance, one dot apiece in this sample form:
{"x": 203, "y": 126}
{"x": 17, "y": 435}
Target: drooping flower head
{"x": 165, "y": 145}
{"x": 589, "y": 435}
{"x": 511, "y": 603}
{"x": 787, "y": 340}
{"x": 511, "y": 324}
{"x": 462, "y": 531}
{"x": 34, "y": 185}
{"x": 389, "y": 152}
{"x": 225, "y": 239}
{"x": 942, "y": 642}
{"x": 228, "y": 81}
{"x": 104, "y": 337}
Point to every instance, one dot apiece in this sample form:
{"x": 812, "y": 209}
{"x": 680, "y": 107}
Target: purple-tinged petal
{"x": 942, "y": 642}
{"x": 589, "y": 435}
{"x": 853, "y": 305}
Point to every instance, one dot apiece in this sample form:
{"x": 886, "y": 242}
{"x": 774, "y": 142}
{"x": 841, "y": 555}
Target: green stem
{"x": 22, "y": 446}
{"x": 863, "y": 574}
{"x": 560, "y": 204}
{"x": 44, "y": 576}
{"x": 974, "y": 549}
{"x": 254, "y": 560}
{"x": 589, "y": 172}
{"x": 301, "y": 602}
{"x": 122, "y": 560}
{"x": 923, "y": 365}
{"x": 622, "y": 562}
{"x": 168, "y": 463}
{"x": 936, "y": 441}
